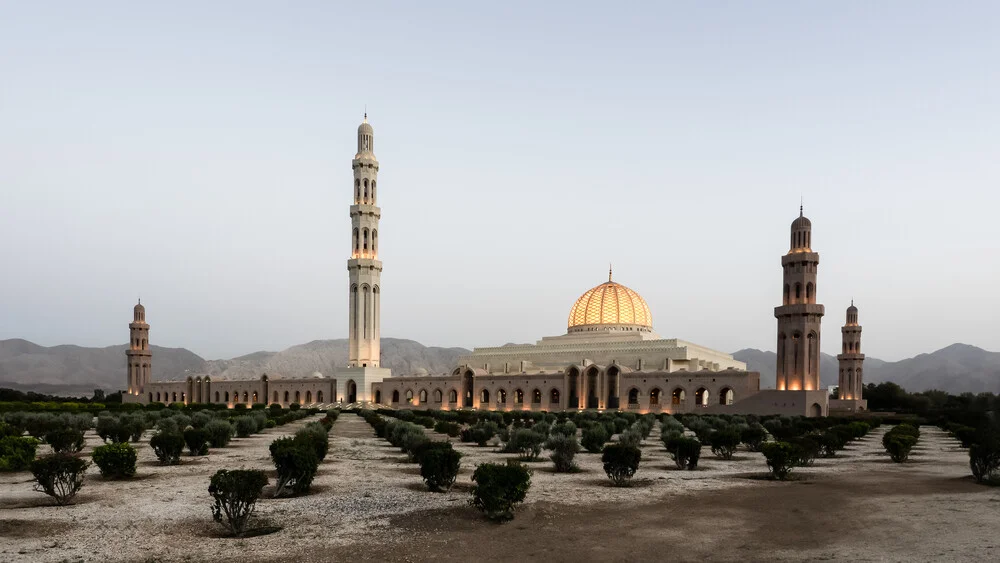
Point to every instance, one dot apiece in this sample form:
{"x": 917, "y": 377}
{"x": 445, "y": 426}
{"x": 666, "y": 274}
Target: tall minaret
{"x": 851, "y": 359}
{"x": 799, "y": 315}
{"x": 364, "y": 267}
{"x": 138, "y": 354}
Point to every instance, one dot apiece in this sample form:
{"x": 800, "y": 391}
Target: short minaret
{"x": 799, "y": 315}
{"x": 851, "y": 358}
{"x": 364, "y": 267}
{"x": 138, "y": 353}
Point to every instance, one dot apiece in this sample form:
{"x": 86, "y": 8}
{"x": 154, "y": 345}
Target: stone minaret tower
{"x": 851, "y": 359}
{"x": 799, "y": 315}
{"x": 139, "y": 355}
{"x": 364, "y": 267}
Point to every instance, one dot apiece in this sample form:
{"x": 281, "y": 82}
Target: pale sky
{"x": 197, "y": 154}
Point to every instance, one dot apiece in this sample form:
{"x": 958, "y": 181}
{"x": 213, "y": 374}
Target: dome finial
{"x": 801, "y": 205}
{"x": 609, "y": 271}
{"x": 366, "y": 114}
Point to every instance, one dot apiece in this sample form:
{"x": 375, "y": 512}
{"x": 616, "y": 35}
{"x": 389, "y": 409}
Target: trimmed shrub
{"x": 898, "y": 446}
{"x": 594, "y": 437}
{"x": 724, "y": 442}
{"x": 525, "y": 442}
{"x": 245, "y": 426}
{"x": 781, "y": 458}
{"x": 59, "y": 475}
{"x": 670, "y": 424}
{"x": 984, "y": 458}
{"x": 685, "y": 451}
{"x": 631, "y": 437}
{"x": 196, "y": 440}
{"x": 134, "y": 424}
{"x": 439, "y": 466}
{"x": 564, "y": 449}
{"x": 220, "y": 432}
{"x": 753, "y": 437}
{"x": 621, "y": 462}
{"x": 480, "y": 433}
{"x": 168, "y": 447}
{"x": 830, "y": 441}
{"x": 17, "y": 452}
{"x": 314, "y": 437}
{"x": 808, "y": 448}
{"x": 294, "y": 406}
{"x": 499, "y": 488}
{"x": 235, "y": 493}
{"x": 452, "y": 429}
{"x": 567, "y": 429}
{"x": 296, "y": 464}
{"x": 110, "y": 429}
{"x": 65, "y": 440}
{"x": 116, "y": 461}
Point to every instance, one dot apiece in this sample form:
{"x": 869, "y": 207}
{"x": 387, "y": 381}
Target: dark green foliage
{"x": 111, "y": 429}
{"x": 753, "y": 437}
{"x": 116, "y": 461}
{"x": 525, "y": 442}
{"x": 685, "y": 451}
{"x": 168, "y": 447}
{"x": 567, "y": 429}
{"x": 315, "y": 437}
{"x": 480, "y": 433}
{"x": 59, "y": 475}
{"x": 621, "y": 462}
{"x": 452, "y": 429}
{"x": 65, "y": 440}
{"x": 632, "y": 436}
{"x": 984, "y": 457}
{"x": 439, "y": 465}
{"x": 724, "y": 442}
{"x": 196, "y": 440}
{"x": 899, "y": 441}
{"x": 594, "y": 438}
{"x": 235, "y": 493}
{"x": 829, "y": 442}
{"x": 564, "y": 449}
{"x": 17, "y": 452}
{"x": 621, "y": 424}
{"x": 425, "y": 421}
{"x": 808, "y": 448}
{"x": 245, "y": 426}
{"x": 781, "y": 458}
{"x": 134, "y": 424}
{"x": 499, "y": 488}
{"x": 220, "y": 432}
{"x": 294, "y": 406}
{"x": 296, "y": 464}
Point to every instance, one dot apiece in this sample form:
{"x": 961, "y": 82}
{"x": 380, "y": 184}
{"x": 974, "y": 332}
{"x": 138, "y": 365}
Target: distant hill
{"x": 75, "y": 370}
{"x": 959, "y": 368}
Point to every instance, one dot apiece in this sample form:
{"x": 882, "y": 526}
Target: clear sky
{"x": 197, "y": 154}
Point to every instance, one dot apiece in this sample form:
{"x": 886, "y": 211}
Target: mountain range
{"x": 76, "y": 370}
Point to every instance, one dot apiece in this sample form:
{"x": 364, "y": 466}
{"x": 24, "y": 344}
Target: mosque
{"x": 609, "y": 358}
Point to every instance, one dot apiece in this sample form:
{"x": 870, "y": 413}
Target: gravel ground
{"x": 367, "y": 503}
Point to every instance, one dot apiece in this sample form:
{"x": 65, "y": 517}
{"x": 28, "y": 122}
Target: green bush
{"x": 525, "y": 442}
{"x": 898, "y": 446}
{"x": 984, "y": 458}
{"x": 621, "y": 462}
{"x": 480, "y": 433}
{"x": 631, "y": 436}
{"x": 567, "y": 429}
{"x": 116, "y": 461}
{"x": 314, "y": 437}
{"x": 753, "y": 437}
{"x": 220, "y": 432}
{"x": 781, "y": 458}
{"x": 439, "y": 467}
{"x": 196, "y": 440}
{"x": 499, "y": 488}
{"x": 296, "y": 464}
{"x": 724, "y": 442}
{"x": 452, "y": 429}
{"x": 111, "y": 429}
{"x": 245, "y": 426}
{"x": 594, "y": 437}
{"x": 294, "y": 406}
{"x": 564, "y": 449}
{"x": 830, "y": 441}
{"x": 235, "y": 493}
{"x": 685, "y": 451}
{"x": 17, "y": 452}
{"x": 134, "y": 424}
{"x": 808, "y": 448}
{"x": 168, "y": 447}
{"x": 65, "y": 440}
{"x": 59, "y": 475}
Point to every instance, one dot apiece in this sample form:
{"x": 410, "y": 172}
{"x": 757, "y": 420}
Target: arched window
{"x": 395, "y": 396}
{"x": 298, "y": 397}
{"x": 356, "y": 243}
{"x": 553, "y": 397}
{"x": 286, "y": 396}
{"x": 150, "y": 396}
{"x": 364, "y": 245}
{"x": 518, "y": 397}
{"x": 309, "y": 397}
{"x": 409, "y": 396}
{"x": 484, "y": 396}
{"x": 374, "y": 241}
{"x": 701, "y": 397}
{"x": 423, "y": 395}
{"x": 810, "y": 289}
{"x": 319, "y": 396}
{"x": 275, "y": 400}
{"x": 633, "y": 396}
{"x": 788, "y": 292}
{"x": 365, "y": 184}
{"x": 677, "y": 397}
{"x": 453, "y": 396}
{"x": 256, "y": 399}
{"x": 373, "y": 192}
{"x": 536, "y": 397}
{"x": 357, "y": 189}
{"x": 227, "y": 396}
{"x": 798, "y": 291}
{"x": 726, "y": 396}
{"x": 378, "y": 397}
{"x": 438, "y": 396}
{"x": 183, "y": 397}
{"x": 175, "y": 397}
{"x": 158, "y": 396}
{"x": 502, "y": 397}
{"x": 654, "y": 396}
{"x": 246, "y": 397}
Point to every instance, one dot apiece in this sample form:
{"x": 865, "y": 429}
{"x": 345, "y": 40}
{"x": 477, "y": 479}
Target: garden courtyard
{"x": 368, "y": 503}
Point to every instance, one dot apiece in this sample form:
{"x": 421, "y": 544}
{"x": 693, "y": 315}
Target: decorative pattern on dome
{"x": 610, "y": 304}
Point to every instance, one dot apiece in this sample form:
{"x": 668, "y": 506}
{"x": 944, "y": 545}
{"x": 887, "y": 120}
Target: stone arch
{"x": 613, "y": 374}
{"x": 298, "y": 397}
{"x": 536, "y": 396}
{"x": 378, "y": 396}
{"x": 319, "y": 396}
{"x": 150, "y": 396}
{"x": 726, "y": 396}
{"x": 453, "y": 396}
{"x": 408, "y": 396}
{"x": 256, "y": 399}
{"x": 484, "y": 397}
{"x": 573, "y": 387}
{"x": 678, "y": 396}
{"x": 158, "y": 396}
{"x": 467, "y": 387}
{"x": 227, "y": 396}
{"x": 309, "y": 397}
{"x": 174, "y": 400}
{"x": 787, "y": 294}
{"x": 815, "y": 410}
{"x": 246, "y": 397}
{"x": 352, "y": 391}
{"x": 798, "y": 292}
{"x": 654, "y": 396}
{"x": 553, "y": 398}
{"x": 438, "y": 395}
{"x": 633, "y": 396}
{"x": 518, "y": 396}
{"x": 701, "y": 397}
{"x": 501, "y": 396}
{"x": 592, "y": 377}
{"x": 422, "y": 396}
{"x": 810, "y": 292}
{"x": 286, "y": 397}
{"x": 395, "y": 395}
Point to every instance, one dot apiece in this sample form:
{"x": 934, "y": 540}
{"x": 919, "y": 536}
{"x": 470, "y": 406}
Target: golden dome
{"x": 610, "y": 304}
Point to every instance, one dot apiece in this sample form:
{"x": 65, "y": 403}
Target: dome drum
{"x": 610, "y": 307}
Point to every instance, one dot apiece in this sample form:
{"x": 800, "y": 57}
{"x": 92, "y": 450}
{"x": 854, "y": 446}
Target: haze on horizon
{"x": 198, "y": 155}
